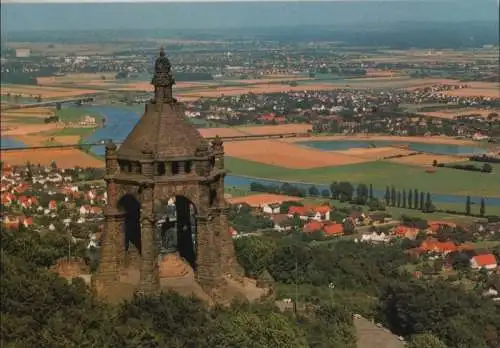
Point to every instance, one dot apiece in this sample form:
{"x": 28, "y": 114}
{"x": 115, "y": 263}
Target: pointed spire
{"x": 162, "y": 52}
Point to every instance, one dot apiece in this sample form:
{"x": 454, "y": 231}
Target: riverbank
{"x": 379, "y": 192}
{"x": 387, "y": 138}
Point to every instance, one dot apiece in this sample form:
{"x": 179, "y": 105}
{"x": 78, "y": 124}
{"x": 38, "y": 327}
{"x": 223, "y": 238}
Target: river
{"x": 441, "y": 149}
{"x": 120, "y": 121}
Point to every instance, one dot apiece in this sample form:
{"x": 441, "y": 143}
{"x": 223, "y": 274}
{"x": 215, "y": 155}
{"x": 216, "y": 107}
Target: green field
{"x": 83, "y": 132}
{"x": 76, "y": 114}
{"x": 22, "y": 119}
{"x": 380, "y": 174}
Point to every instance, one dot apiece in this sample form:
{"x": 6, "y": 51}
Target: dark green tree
{"x": 425, "y": 341}
{"x": 362, "y": 194}
{"x": 468, "y": 205}
{"x": 313, "y": 191}
{"x": 487, "y": 168}
{"x": 410, "y": 199}
{"x": 415, "y": 199}
{"x": 422, "y": 201}
{"x": 325, "y": 193}
{"x": 387, "y": 196}
{"x": 404, "y": 198}
{"x": 334, "y": 190}
{"x": 393, "y": 196}
{"x": 398, "y": 199}
{"x": 482, "y": 208}
{"x": 346, "y": 191}
{"x": 254, "y": 254}
{"x": 370, "y": 195}
{"x": 429, "y": 207}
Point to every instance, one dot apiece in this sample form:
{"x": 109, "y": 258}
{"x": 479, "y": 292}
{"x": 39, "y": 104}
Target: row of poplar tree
{"x": 410, "y": 199}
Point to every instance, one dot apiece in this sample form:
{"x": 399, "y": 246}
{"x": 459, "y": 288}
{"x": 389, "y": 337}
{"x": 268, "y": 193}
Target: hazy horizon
{"x": 21, "y": 16}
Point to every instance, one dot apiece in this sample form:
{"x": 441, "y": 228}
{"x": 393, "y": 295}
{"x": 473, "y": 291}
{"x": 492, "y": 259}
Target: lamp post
{"x": 331, "y": 286}
{"x": 70, "y": 237}
{"x": 296, "y": 284}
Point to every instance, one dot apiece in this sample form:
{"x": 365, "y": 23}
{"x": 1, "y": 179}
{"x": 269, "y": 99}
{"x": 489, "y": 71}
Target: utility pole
{"x": 69, "y": 242}
{"x": 331, "y": 286}
{"x": 296, "y": 284}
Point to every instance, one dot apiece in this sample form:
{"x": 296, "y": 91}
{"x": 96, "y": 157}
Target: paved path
{"x": 371, "y": 336}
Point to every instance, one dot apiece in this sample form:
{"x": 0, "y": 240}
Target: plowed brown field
{"x": 287, "y": 155}
{"x": 261, "y": 199}
{"x": 65, "y": 158}
{"x": 426, "y": 159}
{"x": 45, "y": 92}
{"x": 278, "y": 129}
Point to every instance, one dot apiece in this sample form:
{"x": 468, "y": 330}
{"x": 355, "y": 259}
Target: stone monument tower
{"x": 164, "y": 159}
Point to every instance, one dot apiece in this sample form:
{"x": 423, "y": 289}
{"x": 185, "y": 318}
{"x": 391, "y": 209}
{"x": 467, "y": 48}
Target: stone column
{"x": 218, "y": 151}
{"x": 111, "y": 246}
{"x": 229, "y": 263}
{"x": 181, "y": 167}
{"x": 149, "y": 281}
{"x": 208, "y": 270}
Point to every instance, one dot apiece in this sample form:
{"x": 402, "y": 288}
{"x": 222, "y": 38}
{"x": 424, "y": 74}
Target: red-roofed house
{"x": 405, "y": 232}
{"x": 487, "y": 261}
{"x": 27, "y": 202}
{"x": 332, "y": 230}
{"x": 433, "y": 245}
{"x": 52, "y": 205}
{"x": 16, "y": 221}
{"x": 313, "y": 226}
{"x": 21, "y": 188}
{"x": 232, "y": 232}
{"x": 302, "y": 212}
{"x": 7, "y": 199}
{"x": 435, "y": 225}
{"x": 322, "y": 213}
{"x": 95, "y": 210}
{"x": 85, "y": 209}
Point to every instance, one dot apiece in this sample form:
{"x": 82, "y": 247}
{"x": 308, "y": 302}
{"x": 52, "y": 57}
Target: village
{"x": 429, "y": 110}
{"x": 434, "y": 248}
{"x": 70, "y": 202}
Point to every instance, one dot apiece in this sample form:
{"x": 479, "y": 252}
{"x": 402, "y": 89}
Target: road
{"x": 371, "y": 336}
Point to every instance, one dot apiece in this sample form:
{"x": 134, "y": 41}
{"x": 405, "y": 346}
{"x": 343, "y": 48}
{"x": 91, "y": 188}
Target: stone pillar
{"x": 181, "y": 167}
{"x": 229, "y": 263}
{"x": 111, "y": 244}
{"x": 218, "y": 151}
{"x": 111, "y": 247}
{"x": 149, "y": 281}
{"x": 208, "y": 270}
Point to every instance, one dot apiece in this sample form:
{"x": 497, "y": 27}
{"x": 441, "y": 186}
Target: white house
{"x": 271, "y": 208}
{"x": 375, "y": 238}
{"x": 280, "y": 224}
{"x": 84, "y": 210}
{"x": 93, "y": 243}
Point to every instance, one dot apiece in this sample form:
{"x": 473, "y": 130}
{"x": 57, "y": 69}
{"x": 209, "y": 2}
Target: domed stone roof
{"x": 163, "y": 130}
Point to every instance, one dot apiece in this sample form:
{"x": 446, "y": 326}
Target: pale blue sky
{"x": 203, "y": 14}
{"x": 102, "y": 1}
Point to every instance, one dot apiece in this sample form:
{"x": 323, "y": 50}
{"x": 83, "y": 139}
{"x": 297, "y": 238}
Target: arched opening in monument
{"x": 131, "y": 222}
{"x": 176, "y": 228}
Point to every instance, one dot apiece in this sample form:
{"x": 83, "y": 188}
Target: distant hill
{"x": 217, "y": 15}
